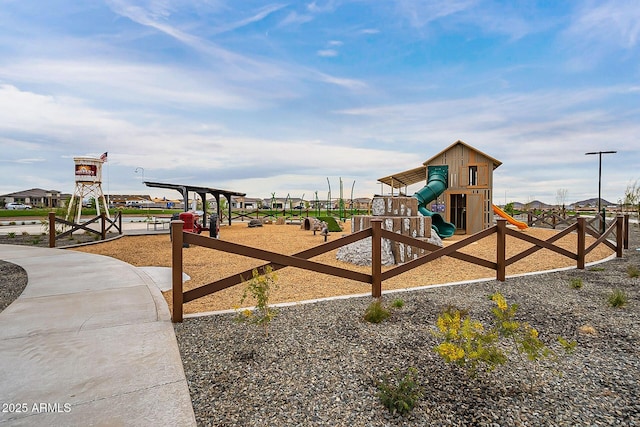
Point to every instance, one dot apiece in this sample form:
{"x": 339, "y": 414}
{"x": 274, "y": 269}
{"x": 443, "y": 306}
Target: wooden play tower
{"x": 466, "y": 200}
{"x": 88, "y": 177}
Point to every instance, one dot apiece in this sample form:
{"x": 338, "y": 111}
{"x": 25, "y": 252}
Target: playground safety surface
{"x": 206, "y": 265}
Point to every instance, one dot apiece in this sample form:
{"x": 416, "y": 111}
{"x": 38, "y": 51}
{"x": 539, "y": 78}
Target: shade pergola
{"x": 406, "y": 178}
{"x": 202, "y": 192}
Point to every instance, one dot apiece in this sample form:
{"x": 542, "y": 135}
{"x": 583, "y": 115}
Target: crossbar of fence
{"x": 106, "y": 224}
{"x": 302, "y": 259}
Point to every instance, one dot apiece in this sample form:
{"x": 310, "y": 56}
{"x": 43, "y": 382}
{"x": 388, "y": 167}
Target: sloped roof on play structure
{"x": 402, "y": 179}
{"x": 419, "y": 174}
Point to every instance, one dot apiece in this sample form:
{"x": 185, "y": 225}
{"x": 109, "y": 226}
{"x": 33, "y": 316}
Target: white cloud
{"x": 600, "y": 30}
{"x": 327, "y": 52}
{"x": 606, "y": 24}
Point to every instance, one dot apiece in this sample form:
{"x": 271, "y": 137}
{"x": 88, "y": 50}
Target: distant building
{"x": 38, "y": 198}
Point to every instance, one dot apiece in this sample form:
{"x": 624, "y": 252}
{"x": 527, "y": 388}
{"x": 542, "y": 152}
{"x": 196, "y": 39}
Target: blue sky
{"x": 265, "y": 98}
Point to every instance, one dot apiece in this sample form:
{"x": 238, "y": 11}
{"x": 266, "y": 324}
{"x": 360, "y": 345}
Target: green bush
{"x": 617, "y": 299}
{"x": 259, "y": 289}
{"x": 633, "y": 271}
{"x": 471, "y": 345}
{"x": 576, "y": 283}
{"x": 400, "y": 393}
{"x": 376, "y": 312}
{"x": 398, "y": 303}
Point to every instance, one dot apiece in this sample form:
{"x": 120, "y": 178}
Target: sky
{"x": 290, "y": 98}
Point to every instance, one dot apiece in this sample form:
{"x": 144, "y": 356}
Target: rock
{"x": 359, "y": 253}
{"x": 255, "y": 223}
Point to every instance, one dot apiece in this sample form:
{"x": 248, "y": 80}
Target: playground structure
{"x": 521, "y": 225}
{"x": 436, "y": 185}
{"x": 88, "y": 177}
{"x": 459, "y": 189}
{"x": 398, "y": 215}
{"x": 296, "y": 210}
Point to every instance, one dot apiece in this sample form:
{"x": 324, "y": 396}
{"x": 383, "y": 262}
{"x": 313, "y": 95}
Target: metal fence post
{"x": 376, "y": 257}
{"x": 176, "y": 270}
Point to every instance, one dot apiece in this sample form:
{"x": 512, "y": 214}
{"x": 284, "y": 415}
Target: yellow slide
{"x": 521, "y": 225}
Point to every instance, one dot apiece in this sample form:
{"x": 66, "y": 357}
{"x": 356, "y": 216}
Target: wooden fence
{"x": 106, "y": 224}
{"x": 559, "y": 219}
{"x": 302, "y": 259}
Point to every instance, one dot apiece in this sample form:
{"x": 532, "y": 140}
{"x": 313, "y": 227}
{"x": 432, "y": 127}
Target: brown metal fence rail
{"x": 301, "y": 259}
{"x": 115, "y": 223}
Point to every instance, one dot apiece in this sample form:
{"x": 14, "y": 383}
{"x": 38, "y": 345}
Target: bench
{"x": 158, "y": 223}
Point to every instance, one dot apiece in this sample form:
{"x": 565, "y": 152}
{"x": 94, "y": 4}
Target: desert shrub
{"x": 576, "y": 283}
{"x": 397, "y": 303}
{"x": 617, "y": 299}
{"x": 471, "y": 345}
{"x": 399, "y": 394}
{"x": 259, "y": 288}
{"x": 376, "y": 312}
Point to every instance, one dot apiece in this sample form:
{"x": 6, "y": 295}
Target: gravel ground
{"x": 13, "y": 280}
{"x": 320, "y": 363}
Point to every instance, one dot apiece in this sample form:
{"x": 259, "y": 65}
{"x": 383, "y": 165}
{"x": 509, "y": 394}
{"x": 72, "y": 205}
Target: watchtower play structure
{"x": 458, "y": 189}
{"x": 88, "y": 177}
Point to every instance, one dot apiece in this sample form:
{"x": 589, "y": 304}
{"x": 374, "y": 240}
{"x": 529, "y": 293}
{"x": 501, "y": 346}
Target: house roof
{"x": 34, "y": 192}
{"x": 419, "y": 174}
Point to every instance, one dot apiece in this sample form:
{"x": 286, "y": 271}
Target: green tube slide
{"x": 436, "y": 184}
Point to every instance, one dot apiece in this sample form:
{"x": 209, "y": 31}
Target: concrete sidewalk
{"x": 89, "y": 342}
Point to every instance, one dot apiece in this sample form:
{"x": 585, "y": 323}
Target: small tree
{"x": 561, "y": 197}
{"x": 632, "y": 197}
{"x": 508, "y": 208}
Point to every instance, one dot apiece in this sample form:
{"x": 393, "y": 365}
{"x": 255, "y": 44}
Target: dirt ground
{"x": 206, "y": 265}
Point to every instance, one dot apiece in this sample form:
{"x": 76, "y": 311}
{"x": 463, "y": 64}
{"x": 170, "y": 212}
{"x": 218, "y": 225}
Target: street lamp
{"x": 600, "y": 153}
{"x": 140, "y": 169}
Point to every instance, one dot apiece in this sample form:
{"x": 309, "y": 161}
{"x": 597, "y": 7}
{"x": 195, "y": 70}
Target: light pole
{"x": 600, "y": 153}
{"x": 140, "y": 169}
